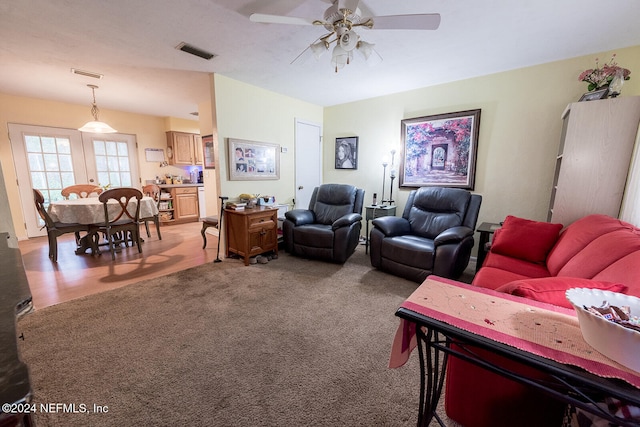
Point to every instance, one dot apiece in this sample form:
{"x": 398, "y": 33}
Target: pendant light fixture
{"x": 96, "y": 126}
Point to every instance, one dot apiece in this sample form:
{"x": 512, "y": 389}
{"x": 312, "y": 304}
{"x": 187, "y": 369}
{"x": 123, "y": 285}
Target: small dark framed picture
{"x": 208, "y": 151}
{"x": 596, "y": 94}
{"x": 347, "y": 152}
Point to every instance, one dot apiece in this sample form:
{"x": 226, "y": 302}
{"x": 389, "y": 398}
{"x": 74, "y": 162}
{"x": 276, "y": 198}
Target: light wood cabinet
{"x": 186, "y": 204}
{"x": 185, "y": 148}
{"x": 251, "y": 232}
{"x": 198, "y": 149}
{"x": 593, "y": 159}
{"x": 179, "y": 204}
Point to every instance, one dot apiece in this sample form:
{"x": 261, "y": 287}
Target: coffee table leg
{"x": 433, "y": 364}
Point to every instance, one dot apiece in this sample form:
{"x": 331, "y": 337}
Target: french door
{"x": 49, "y": 159}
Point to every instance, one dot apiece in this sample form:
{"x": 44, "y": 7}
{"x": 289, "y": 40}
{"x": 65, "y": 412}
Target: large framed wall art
{"x": 440, "y": 150}
{"x": 252, "y": 161}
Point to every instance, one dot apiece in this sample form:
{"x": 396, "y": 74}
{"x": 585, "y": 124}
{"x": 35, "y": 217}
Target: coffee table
{"x": 443, "y": 312}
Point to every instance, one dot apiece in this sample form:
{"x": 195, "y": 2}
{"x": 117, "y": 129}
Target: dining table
{"x": 90, "y": 210}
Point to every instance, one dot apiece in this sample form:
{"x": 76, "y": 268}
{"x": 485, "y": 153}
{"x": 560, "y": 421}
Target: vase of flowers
{"x": 601, "y": 76}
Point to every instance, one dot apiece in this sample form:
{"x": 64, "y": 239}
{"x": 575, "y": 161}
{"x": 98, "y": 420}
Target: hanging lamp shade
{"x": 95, "y": 125}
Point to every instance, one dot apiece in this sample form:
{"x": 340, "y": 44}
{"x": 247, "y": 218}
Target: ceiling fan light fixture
{"x": 95, "y": 125}
{"x": 319, "y": 48}
{"x": 349, "y": 40}
{"x": 340, "y": 19}
{"x": 340, "y": 57}
{"x": 365, "y": 49}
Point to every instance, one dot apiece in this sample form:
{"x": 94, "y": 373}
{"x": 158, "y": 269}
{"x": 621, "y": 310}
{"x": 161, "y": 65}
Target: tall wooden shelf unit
{"x": 593, "y": 160}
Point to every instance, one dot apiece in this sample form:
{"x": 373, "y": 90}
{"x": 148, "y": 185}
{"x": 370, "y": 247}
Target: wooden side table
{"x": 376, "y": 211}
{"x": 251, "y": 232}
{"x": 486, "y": 230}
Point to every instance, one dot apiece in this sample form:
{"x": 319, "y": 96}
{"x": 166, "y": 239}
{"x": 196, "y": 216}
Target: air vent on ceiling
{"x": 185, "y": 47}
{"x": 87, "y": 73}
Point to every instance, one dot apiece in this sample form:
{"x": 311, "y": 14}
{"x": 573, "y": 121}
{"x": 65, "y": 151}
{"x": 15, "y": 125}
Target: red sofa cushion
{"x": 626, "y": 271}
{"x": 515, "y": 265}
{"x": 525, "y": 239}
{"x": 552, "y": 289}
{"x": 577, "y": 236}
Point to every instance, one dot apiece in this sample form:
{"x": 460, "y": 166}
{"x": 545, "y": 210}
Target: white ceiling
{"x": 133, "y": 44}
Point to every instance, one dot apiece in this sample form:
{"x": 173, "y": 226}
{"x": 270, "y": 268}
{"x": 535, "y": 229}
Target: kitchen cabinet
{"x": 179, "y": 204}
{"x": 184, "y": 149}
{"x": 251, "y": 232}
{"x": 186, "y": 204}
{"x": 593, "y": 160}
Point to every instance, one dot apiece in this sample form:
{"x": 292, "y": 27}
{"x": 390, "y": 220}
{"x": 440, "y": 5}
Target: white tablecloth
{"x": 90, "y": 210}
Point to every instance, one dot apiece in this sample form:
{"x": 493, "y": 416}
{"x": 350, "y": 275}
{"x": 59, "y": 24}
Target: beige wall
{"x": 254, "y": 114}
{"x": 149, "y": 131}
{"x": 520, "y": 129}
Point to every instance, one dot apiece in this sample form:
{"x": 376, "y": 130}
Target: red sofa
{"x": 537, "y": 261}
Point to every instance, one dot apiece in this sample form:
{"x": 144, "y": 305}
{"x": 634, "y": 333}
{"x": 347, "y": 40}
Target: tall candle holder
{"x": 393, "y": 176}
{"x": 384, "y": 175}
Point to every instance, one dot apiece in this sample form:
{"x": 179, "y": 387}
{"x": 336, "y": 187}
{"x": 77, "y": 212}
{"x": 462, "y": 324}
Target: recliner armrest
{"x": 346, "y": 220}
{"x": 453, "y": 235}
{"x": 392, "y": 225}
{"x": 300, "y": 216}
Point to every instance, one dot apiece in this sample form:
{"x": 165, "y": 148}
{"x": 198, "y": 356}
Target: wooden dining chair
{"x": 55, "y": 229}
{"x": 124, "y": 224}
{"x": 152, "y": 190}
{"x": 81, "y": 191}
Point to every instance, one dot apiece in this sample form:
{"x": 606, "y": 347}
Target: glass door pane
{"x": 112, "y": 160}
{"x": 47, "y": 159}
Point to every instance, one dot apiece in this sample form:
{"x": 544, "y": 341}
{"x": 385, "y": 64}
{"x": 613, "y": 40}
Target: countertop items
{"x": 180, "y": 185}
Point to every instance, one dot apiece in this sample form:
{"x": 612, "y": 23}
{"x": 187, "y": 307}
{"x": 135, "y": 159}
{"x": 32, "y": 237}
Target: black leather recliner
{"x": 433, "y": 236}
{"x": 330, "y": 228}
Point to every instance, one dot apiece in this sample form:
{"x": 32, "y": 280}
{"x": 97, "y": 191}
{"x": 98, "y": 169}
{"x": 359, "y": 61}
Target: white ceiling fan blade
{"x": 279, "y": 19}
{"x": 352, "y": 5}
{"x": 426, "y": 21}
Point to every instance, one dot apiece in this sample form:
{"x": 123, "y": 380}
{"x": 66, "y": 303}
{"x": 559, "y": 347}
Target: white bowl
{"x": 614, "y": 341}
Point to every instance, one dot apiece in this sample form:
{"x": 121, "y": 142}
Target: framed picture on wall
{"x": 440, "y": 150}
{"x": 347, "y": 152}
{"x": 208, "y": 152}
{"x": 252, "y": 161}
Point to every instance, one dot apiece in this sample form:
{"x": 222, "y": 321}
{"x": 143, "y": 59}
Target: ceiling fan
{"x": 340, "y": 19}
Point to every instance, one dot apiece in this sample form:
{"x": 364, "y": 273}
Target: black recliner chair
{"x": 330, "y": 228}
{"x": 433, "y": 236}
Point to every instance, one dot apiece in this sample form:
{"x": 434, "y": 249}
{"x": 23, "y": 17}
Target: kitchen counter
{"x": 180, "y": 185}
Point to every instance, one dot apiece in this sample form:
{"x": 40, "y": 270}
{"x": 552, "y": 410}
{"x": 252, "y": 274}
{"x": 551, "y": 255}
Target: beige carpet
{"x": 293, "y": 342}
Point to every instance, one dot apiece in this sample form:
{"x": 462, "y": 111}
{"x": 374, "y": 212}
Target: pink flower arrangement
{"x": 601, "y": 77}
